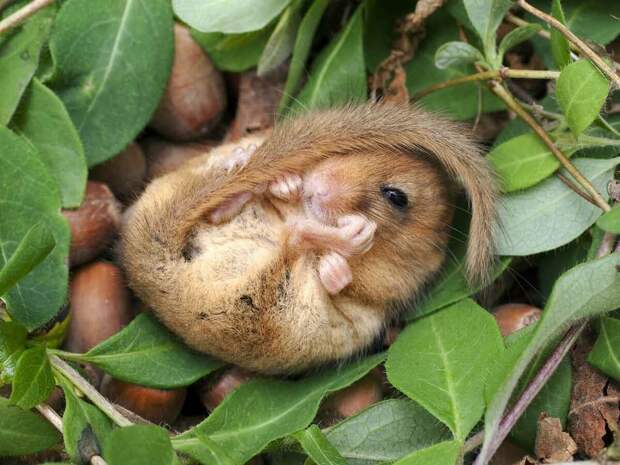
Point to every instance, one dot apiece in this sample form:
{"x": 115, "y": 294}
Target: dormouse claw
{"x": 287, "y": 187}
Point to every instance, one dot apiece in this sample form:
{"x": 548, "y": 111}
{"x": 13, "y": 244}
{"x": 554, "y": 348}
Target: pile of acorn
{"x": 192, "y": 117}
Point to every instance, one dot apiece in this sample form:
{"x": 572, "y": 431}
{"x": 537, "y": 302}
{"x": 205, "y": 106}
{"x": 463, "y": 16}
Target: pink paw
{"x": 228, "y": 209}
{"x": 334, "y": 272}
{"x": 287, "y": 187}
{"x": 356, "y": 233}
{"x": 239, "y": 157}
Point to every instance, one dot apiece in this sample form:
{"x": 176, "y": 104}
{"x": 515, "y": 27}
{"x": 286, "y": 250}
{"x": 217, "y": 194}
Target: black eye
{"x": 395, "y": 196}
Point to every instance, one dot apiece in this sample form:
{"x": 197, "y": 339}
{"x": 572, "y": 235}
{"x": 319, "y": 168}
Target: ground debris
{"x": 552, "y": 444}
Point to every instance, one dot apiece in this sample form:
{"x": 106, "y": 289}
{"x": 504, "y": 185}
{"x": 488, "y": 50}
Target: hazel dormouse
{"x": 286, "y": 253}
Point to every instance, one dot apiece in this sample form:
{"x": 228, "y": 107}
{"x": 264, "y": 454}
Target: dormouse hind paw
{"x": 239, "y": 157}
{"x": 287, "y": 187}
{"x": 334, "y": 272}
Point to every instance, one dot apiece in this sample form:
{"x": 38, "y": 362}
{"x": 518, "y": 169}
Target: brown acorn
{"x": 213, "y": 392}
{"x": 124, "y": 174}
{"x": 164, "y": 157}
{"x": 512, "y": 317}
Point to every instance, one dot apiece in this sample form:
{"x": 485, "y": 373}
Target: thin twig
{"x": 88, "y": 390}
{"x": 502, "y": 73}
{"x": 512, "y": 104}
{"x": 50, "y": 415}
{"x": 572, "y": 38}
{"x": 473, "y": 442}
{"x": 600, "y": 400}
{"x": 23, "y": 14}
{"x": 574, "y": 188}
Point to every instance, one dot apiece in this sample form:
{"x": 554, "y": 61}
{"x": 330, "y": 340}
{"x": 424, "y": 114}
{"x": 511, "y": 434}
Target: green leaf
{"x": 79, "y": 415}
{"x": 264, "y": 410}
{"x": 456, "y": 53}
{"x": 32, "y": 250}
{"x": 338, "y": 74}
{"x": 606, "y": 352}
{"x": 19, "y": 58}
{"x": 280, "y": 43}
{"x": 585, "y": 291}
{"x": 445, "y": 453}
{"x": 22, "y": 432}
{"x": 485, "y": 17}
{"x": 303, "y": 42}
{"x": 234, "y": 52}
{"x": 559, "y": 45}
{"x": 29, "y": 195}
{"x": 581, "y": 90}
{"x": 460, "y": 102}
{"x": 43, "y": 120}
{"x": 111, "y": 73}
{"x": 434, "y": 359}
{"x": 218, "y": 455}
{"x": 518, "y": 35}
{"x": 523, "y": 161}
{"x": 146, "y": 353}
{"x": 318, "y": 447}
{"x": 33, "y": 381}
{"x": 610, "y": 221}
{"x": 549, "y": 214}
{"x": 12, "y": 344}
{"x": 228, "y": 17}
{"x": 138, "y": 445}
{"x": 385, "y": 432}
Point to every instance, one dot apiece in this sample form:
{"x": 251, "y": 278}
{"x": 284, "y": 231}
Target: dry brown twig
{"x": 23, "y": 14}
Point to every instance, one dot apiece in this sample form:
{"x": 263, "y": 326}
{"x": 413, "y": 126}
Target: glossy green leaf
{"x": 218, "y": 455}
{"x": 139, "y": 445}
{"x": 280, "y": 43}
{"x": 234, "y": 52}
{"x": 587, "y": 290}
{"x": 29, "y": 195}
{"x": 263, "y": 410}
{"x": 610, "y": 221}
{"x": 303, "y": 42}
{"x": 549, "y": 214}
{"x": 227, "y": 17}
{"x": 146, "y": 353}
{"x": 456, "y": 53}
{"x": 605, "y": 354}
{"x": 111, "y": 73}
{"x": 33, "y": 381}
{"x": 43, "y": 120}
{"x": 22, "y": 432}
{"x": 385, "y": 432}
{"x": 36, "y": 245}
{"x": 518, "y": 35}
{"x": 445, "y": 453}
{"x": 338, "y": 74}
{"x": 434, "y": 359}
{"x": 318, "y": 447}
{"x": 485, "y": 17}
{"x": 19, "y": 58}
{"x": 581, "y": 91}
{"x": 559, "y": 45}
{"x": 523, "y": 161}
{"x": 12, "y": 344}
{"x": 459, "y": 102}
{"x": 79, "y": 415}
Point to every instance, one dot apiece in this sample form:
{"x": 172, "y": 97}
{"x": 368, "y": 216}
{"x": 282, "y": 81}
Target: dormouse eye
{"x": 395, "y": 196}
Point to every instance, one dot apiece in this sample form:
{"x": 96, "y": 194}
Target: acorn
{"x": 195, "y": 97}
{"x": 512, "y": 317}
{"x": 355, "y": 398}
{"x": 214, "y": 391}
{"x": 163, "y": 157}
{"x": 93, "y": 224}
{"x": 125, "y": 173}
{"x": 155, "y": 405}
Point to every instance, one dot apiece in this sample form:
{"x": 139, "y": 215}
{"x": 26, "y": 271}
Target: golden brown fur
{"x": 239, "y": 291}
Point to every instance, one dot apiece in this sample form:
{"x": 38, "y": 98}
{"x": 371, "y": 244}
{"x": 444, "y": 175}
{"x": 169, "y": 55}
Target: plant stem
{"x": 581, "y": 46}
{"x": 23, "y": 14}
{"x": 486, "y": 75}
{"x": 88, "y": 390}
{"x": 511, "y": 103}
{"x": 50, "y": 415}
{"x": 473, "y": 442}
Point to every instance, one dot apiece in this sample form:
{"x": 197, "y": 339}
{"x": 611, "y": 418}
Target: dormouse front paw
{"x": 334, "y": 272}
{"x": 356, "y": 235}
{"x": 239, "y": 157}
{"x": 287, "y": 187}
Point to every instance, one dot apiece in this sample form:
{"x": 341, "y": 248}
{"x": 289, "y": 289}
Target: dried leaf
{"x": 552, "y": 444}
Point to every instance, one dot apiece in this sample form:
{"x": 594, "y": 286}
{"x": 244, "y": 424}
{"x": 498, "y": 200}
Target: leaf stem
{"x": 50, "y": 415}
{"x": 502, "y": 73}
{"x": 23, "y": 14}
{"x": 512, "y": 104}
{"x": 88, "y": 390}
{"x": 581, "y": 46}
